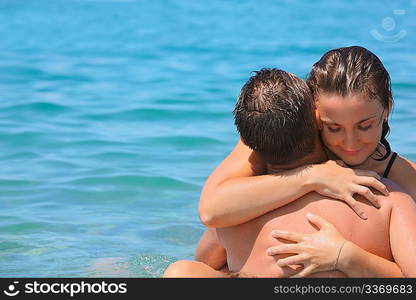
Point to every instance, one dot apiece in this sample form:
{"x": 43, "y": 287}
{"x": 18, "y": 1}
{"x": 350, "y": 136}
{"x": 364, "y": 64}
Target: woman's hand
{"x": 317, "y": 252}
{"x": 333, "y": 179}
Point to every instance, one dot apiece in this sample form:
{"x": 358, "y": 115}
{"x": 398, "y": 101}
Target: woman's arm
{"x": 237, "y": 191}
{"x": 402, "y": 243}
{"x": 357, "y": 262}
{"x": 404, "y": 174}
{"x": 327, "y": 250}
{"x": 403, "y": 233}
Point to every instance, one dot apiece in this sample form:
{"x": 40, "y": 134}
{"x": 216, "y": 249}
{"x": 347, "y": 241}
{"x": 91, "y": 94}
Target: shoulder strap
{"x": 391, "y": 161}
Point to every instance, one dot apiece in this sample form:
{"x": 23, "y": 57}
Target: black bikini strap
{"x": 391, "y": 161}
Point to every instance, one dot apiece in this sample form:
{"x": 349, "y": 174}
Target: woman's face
{"x": 351, "y": 126}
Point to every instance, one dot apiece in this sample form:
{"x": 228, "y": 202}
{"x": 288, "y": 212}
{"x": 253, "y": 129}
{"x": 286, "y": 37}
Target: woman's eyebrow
{"x": 367, "y": 119}
{"x": 329, "y": 121}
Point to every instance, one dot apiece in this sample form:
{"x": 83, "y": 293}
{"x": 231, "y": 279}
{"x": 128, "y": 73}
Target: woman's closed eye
{"x": 364, "y": 128}
{"x": 333, "y": 129}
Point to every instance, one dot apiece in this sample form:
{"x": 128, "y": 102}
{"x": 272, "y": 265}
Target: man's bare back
{"x": 246, "y": 244}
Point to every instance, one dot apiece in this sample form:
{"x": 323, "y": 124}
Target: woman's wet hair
{"x": 354, "y": 70}
{"x": 275, "y": 116}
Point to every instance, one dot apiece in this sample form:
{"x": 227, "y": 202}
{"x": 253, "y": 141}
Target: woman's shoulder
{"x": 404, "y": 167}
{"x": 403, "y": 172}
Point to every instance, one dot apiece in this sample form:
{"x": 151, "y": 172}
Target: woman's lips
{"x": 350, "y": 152}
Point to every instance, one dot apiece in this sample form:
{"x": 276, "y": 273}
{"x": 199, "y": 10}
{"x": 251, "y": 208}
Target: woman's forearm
{"x": 241, "y": 199}
{"x": 238, "y": 191}
{"x": 356, "y": 262}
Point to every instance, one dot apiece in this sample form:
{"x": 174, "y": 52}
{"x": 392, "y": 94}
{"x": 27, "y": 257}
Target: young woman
{"x": 353, "y": 99}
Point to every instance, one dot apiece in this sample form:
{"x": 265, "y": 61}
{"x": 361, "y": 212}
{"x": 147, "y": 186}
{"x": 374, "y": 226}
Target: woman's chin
{"x": 353, "y": 161}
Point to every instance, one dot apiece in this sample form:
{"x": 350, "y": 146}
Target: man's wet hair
{"x": 275, "y": 116}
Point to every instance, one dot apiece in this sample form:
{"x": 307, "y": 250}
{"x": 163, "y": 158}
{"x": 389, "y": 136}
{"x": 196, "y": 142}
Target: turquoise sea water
{"x": 113, "y": 113}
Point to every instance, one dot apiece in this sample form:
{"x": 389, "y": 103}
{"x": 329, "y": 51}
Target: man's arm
{"x": 210, "y": 251}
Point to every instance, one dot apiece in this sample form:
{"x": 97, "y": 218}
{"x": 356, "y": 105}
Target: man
{"x": 275, "y": 117}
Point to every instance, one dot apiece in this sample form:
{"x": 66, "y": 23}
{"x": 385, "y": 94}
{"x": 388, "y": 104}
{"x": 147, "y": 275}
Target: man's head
{"x": 275, "y": 116}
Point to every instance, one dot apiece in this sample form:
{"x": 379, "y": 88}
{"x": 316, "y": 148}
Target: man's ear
{"x": 318, "y": 120}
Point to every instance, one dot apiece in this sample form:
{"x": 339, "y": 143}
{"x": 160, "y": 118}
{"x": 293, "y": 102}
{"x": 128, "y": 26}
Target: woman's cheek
{"x": 329, "y": 139}
{"x": 372, "y": 136}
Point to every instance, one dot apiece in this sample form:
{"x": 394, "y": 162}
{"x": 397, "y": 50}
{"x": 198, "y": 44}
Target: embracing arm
{"x": 357, "y": 262}
{"x": 237, "y": 192}
{"x": 403, "y": 234}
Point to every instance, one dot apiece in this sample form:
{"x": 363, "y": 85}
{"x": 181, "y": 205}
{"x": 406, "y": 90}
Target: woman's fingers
{"x": 290, "y": 236}
{"x": 305, "y": 272}
{"x": 371, "y": 179}
{"x": 318, "y": 221}
{"x": 374, "y": 183}
{"x": 293, "y": 260}
{"x": 368, "y": 194}
{"x": 284, "y": 249}
{"x": 355, "y": 207}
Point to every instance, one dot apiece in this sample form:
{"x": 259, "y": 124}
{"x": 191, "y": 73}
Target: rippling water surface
{"x": 113, "y": 113}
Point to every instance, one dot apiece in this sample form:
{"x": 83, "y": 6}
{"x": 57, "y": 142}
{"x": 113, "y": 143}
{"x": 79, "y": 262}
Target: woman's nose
{"x": 350, "y": 142}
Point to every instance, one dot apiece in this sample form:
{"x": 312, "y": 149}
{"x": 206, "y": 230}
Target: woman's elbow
{"x": 207, "y": 220}
{"x": 213, "y": 220}
{"x": 206, "y": 217}
{"x": 206, "y": 213}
